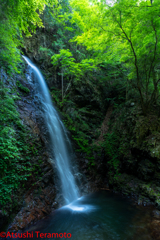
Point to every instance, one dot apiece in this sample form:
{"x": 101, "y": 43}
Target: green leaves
{"x": 18, "y": 17}
{"x": 63, "y": 57}
{"x": 69, "y": 66}
{"x": 14, "y": 167}
{"x": 127, "y": 32}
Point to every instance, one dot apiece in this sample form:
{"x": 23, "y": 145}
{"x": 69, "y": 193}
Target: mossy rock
{"x": 22, "y": 88}
{"x": 146, "y": 169}
{"x": 146, "y": 126}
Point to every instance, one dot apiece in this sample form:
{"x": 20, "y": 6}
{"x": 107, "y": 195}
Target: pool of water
{"x": 99, "y": 216}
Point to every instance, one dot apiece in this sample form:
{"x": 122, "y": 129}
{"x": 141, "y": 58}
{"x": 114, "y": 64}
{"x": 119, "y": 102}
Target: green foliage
{"x": 57, "y": 20}
{"x": 48, "y": 52}
{"x": 80, "y": 129}
{"x": 127, "y": 32}
{"x": 22, "y": 88}
{"x": 113, "y": 151}
{"x": 17, "y": 17}
{"x": 68, "y": 65}
{"x": 145, "y": 126}
{"x": 12, "y": 171}
{"x": 67, "y": 59}
{"x": 17, "y": 148}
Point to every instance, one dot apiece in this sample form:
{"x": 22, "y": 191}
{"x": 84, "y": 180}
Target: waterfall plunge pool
{"x": 97, "y": 216}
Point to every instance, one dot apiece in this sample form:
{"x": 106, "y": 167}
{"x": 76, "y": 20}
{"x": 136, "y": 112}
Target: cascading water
{"x": 102, "y": 215}
{"x": 58, "y": 137}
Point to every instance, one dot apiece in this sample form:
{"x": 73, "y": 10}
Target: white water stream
{"x": 58, "y": 138}
{"x": 99, "y": 216}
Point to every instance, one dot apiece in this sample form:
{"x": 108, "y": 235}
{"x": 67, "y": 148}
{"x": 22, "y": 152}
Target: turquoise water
{"x": 99, "y": 216}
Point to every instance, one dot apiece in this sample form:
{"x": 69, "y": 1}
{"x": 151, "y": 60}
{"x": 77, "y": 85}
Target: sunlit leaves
{"x": 127, "y": 31}
{"x": 68, "y": 64}
{"x": 18, "y": 17}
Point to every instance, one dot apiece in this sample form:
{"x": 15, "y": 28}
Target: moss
{"x": 80, "y": 118}
{"x": 17, "y": 151}
{"x": 22, "y": 88}
{"x": 145, "y": 127}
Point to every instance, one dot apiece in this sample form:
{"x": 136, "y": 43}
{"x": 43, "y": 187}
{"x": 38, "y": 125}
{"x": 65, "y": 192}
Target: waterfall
{"x": 58, "y": 137}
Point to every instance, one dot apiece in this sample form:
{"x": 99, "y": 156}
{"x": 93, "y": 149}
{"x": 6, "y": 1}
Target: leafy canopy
{"x": 127, "y": 32}
{"x": 17, "y": 17}
{"x": 68, "y": 65}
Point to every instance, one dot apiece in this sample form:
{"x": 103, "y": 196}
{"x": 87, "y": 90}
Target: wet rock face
{"x": 156, "y": 214}
{"x": 37, "y": 204}
{"x": 155, "y": 225}
{"x": 138, "y": 168}
{"x": 32, "y": 48}
{"x": 142, "y": 164}
{"x": 146, "y": 169}
{"x": 42, "y": 194}
{"x": 36, "y": 200}
{"x": 86, "y": 93}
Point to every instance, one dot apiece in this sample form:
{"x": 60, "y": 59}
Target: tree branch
{"x": 135, "y": 61}
{"x": 155, "y": 49}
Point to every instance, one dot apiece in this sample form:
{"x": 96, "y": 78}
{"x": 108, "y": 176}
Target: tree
{"x": 69, "y": 67}
{"x": 17, "y": 17}
{"x": 128, "y": 32}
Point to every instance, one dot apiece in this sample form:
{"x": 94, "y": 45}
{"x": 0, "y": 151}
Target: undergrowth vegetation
{"x": 132, "y": 143}
{"x": 17, "y": 148}
{"x": 83, "y": 132}
{"x": 99, "y": 55}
